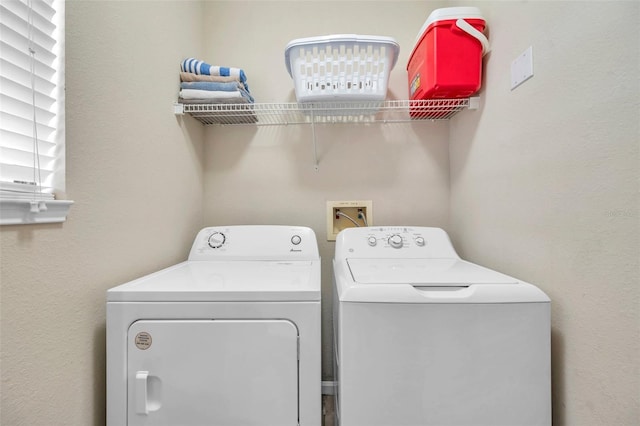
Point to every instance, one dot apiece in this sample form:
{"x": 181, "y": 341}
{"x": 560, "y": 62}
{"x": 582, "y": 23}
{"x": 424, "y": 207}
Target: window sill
{"x": 24, "y": 212}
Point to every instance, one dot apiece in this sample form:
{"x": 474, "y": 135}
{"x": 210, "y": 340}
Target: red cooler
{"x": 446, "y": 61}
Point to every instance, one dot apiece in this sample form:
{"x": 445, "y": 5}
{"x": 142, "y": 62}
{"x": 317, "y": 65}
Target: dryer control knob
{"x": 420, "y": 241}
{"x": 372, "y": 241}
{"x": 395, "y": 241}
{"x": 217, "y": 240}
{"x": 296, "y": 239}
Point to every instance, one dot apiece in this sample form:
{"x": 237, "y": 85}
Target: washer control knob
{"x": 420, "y": 241}
{"x": 372, "y": 241}
{"x": 295, "y": 240}
{"x": 395, "y": 241}
{"x": 217, "y": 240}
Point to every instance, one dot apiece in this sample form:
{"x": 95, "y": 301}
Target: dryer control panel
{"x": 394, "y": 242}
{"x": 255, "y": 242}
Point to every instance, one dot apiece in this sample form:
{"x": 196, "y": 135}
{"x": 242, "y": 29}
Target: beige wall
{"x": 135, "y": 174}
{"x": 545, "y": 175}
{"x": 544, "y": 186}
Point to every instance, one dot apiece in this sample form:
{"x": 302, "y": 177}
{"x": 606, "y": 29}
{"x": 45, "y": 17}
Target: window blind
{"x": 31, "y": 73}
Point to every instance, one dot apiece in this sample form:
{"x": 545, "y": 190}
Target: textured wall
{"x": 135, "y": 175}
{"x": 544, "y": 181}
{"x": 544, "y": 186}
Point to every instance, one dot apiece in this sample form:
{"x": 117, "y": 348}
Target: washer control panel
{"x": 257, "y": 242}
{"x": 395, "y": 238}
{"x": 393, "y": 241}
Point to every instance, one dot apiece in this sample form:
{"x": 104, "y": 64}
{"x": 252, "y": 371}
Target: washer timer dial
{"x": 216, "y": 240}
{"x": 395, "y": 241}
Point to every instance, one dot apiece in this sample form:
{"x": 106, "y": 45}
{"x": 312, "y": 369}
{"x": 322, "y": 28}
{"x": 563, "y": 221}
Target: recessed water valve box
{"x": 347, "y": 214}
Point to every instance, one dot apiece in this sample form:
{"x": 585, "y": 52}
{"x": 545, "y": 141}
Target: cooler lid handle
{"x": 469, "y": 29}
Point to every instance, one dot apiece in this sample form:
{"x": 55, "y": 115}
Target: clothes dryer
{"x": 424, "y": 338}
{"x": 229, "y": 337}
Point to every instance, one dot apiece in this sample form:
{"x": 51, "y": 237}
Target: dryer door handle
{"x": 141, "y": 392}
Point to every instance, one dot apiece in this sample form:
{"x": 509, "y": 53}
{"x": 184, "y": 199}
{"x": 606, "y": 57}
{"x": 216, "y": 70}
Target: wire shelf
{"x": 325, "y": 112}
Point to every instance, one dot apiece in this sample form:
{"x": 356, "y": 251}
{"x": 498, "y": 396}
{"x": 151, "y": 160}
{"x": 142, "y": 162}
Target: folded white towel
{"x": 208, "y": 94}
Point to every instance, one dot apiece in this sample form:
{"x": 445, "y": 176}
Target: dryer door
{"x": 213, "y": 372}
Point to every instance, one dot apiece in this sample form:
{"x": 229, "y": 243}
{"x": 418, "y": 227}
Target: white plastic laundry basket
{"x": 343, "y": 67}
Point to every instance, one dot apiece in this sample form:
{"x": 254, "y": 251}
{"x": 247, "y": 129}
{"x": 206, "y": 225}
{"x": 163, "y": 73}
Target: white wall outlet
{"x": 347, "y": 214}
{"x": 522, "y": 68}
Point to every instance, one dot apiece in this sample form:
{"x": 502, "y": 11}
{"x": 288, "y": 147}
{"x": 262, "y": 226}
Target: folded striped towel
{"x": 189, "y": 76}
{"x": 196, "y": 66}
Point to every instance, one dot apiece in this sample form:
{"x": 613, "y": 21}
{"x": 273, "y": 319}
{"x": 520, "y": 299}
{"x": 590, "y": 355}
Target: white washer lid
{"x": 250, "y": 281}
{"x": 424, "y": 272}
{"x": 427, "y": 281}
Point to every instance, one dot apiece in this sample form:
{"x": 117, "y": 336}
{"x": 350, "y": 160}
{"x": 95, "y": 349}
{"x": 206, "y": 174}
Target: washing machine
{"x": 229, "y": 337}
{"x": 424, "y": 338}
